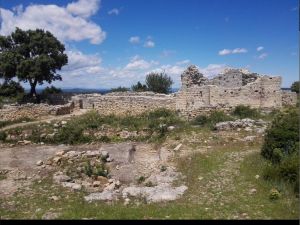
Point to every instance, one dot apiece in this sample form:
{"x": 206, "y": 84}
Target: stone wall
{"x": 33, "y": 111}
{"x": 229, "y": 89}
{"x": 289, "y": 98}
{"x": 122, "y": 103}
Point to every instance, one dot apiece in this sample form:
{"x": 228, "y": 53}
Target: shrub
{"x": 212, "y": 119}
{"x": 139, "y": 87}
{"x": 3, "y": 136}
{"x": 281, "y": 148}
{"x": 159, "y": 82}
{"x": 88, "y": 170}
{"x": 120, "y": 89}
{"x": 11, "y": 89}
{"x": 282, "y": 138}
{"x": 295, "y": 87}
{"x": 51, "y": 90}
{"x": 274, "y": 194}
{"x": 141, "y": 179}
{"x": 242, "y": 111}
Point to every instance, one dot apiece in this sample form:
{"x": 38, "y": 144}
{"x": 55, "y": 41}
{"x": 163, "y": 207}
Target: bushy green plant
{"x": 11, "y": 89}
{"x": 159, "y": 82}
{"x": 51, "y": 90}
{"x": 120, "y": 89}
{"x": 212, "y": 119}
{"x": 88, "y": 170}
{"x": 3, "y": 136}
{"x": 295, "y": 87}
{"x": 274, "y": 194}
{"x": 141, "y": 179}
{"x": 139, "y": 87}
{"x": 242, "y": 111}
{"x": 281, "y": 147}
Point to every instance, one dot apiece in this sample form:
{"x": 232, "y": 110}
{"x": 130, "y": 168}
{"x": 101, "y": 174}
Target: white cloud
{"x": 149, "y": 44}
{"x": 83, "y": 8}
{"x": 134, "y": 40}
{"x": 80, "y": 64}
{"x": 167, "y": 53}
{"x": 213, "y": 69}
{"x": 70, "y": 23}
{"x": 260, "y": 48}
{"x": 114, "y": 11}
{"x": 137, "y": 63}
{"x": 183, "y": 62}
{"x": 225, "y": 52}
{"x": 234, "y": 51}
{"x": 239, "y": 50}
{"x": 262, "y": 56}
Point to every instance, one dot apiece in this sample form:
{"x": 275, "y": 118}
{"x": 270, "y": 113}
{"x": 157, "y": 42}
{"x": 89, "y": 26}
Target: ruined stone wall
{"x": 289, "y": 98}
{"x": 122, "y": 103}
{"x": 33, "y": 111}
{"x": 232, "y": 88}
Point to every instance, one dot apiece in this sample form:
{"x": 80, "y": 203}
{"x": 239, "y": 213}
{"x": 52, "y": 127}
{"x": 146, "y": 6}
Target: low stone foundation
{"x": 33, "y": 111}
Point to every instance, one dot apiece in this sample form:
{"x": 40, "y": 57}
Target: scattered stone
{"x": 73, "y": 186}
{"x": 96, "y": 183}
{"x": 177, "y": 147}
{"x": 50, "y": 216}
{"x": 39, "y": 163}
{"x": 57, "y": 160}
{"x": 249, "y": 138}
{"x": 61, "y": 178}
{"x": 106, "y": 195}
{"x": 63, "y": 122}
{"x": 54, "y": 198}
{"x": 170, "y": 128}
{"x": 109, "y": 159}
{"x": 200, "y": 178}
{"x": 60, "y": 153}
{"x": 253, "y": 191}
{"x": 257, "y": 176}
{"x": 104, "y": 154}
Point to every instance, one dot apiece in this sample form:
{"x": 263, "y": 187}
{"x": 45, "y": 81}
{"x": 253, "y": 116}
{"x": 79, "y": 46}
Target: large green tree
{"x": 159, "y": 82}
{"x": 32, "y": 56}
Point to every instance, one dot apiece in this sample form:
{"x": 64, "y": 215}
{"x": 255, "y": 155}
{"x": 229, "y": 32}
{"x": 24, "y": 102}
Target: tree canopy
{"x": 32, "y": 56}
{"x": 159, "y": 82}
{"x": 139, "y": 87}
{"x": 295, "y": 87}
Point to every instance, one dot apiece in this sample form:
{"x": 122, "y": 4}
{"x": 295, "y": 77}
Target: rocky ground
{"x": 139, "y": 173}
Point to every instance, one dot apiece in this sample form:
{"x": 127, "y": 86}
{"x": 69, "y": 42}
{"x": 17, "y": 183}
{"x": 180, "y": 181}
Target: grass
{"x": 201, "y": 201}
{"x": 10, "y": 122}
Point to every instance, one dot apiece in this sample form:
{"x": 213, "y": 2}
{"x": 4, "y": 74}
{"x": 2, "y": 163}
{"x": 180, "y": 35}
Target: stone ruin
{"x": 198, "y": 95}
{"x": 233, "y": 87}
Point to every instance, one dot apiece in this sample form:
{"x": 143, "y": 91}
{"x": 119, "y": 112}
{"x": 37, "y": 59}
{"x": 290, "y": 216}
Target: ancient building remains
{"x": 233, "y": 87}
{"x": 198, "y": 95}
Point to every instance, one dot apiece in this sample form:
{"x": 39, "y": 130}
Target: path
{"x": 49, "y": 118}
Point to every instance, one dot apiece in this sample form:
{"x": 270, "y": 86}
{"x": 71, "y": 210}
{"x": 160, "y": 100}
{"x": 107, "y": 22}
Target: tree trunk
{"x": 32, "y": 88}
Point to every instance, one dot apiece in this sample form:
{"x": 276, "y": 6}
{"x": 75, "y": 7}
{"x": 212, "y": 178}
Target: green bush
{"x": 3, "y": 136}
{"x": 139, "y": 87}
{"x": 281, "y": 148}
{"x": 159, "y": 82}
{"x": 295, "y": 87}
{"x": 51, "y": 90}
{"x": 11, "y": 89}
{"x": 274, "y": 194}
{"x": 242, "y": 111}
{"x": 212, "y": 119}
{"x": 120, "y": 89}
{"x": 282, "y": 137}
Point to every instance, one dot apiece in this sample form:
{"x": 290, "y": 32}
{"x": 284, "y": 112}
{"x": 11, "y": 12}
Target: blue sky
{"x": 117, "y": 42}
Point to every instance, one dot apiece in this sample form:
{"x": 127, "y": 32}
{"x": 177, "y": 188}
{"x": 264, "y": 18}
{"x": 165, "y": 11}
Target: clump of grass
{"x": 3, "y": 136}
{"x": 96, "y": 170}
{"x": 212, "y": 119}
{"x": 242, "y": 111}
{"x": 10, "y": 122}
{"x": 141, "y": 179}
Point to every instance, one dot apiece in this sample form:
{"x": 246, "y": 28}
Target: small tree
{"x": 139, "y": 87}
{"x": 51, "y": 90}
{"x": 295, "y": 87}
{"x": 33, "y": 56}
{"x": 159, "y": 82}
